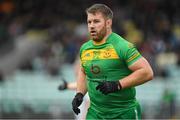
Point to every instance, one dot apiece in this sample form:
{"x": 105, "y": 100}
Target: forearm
{"x": 138, "y": 77}
{"x": 81, "y": 87}
{"x": 81, "y": 82}
{"x": 72, "y": 86}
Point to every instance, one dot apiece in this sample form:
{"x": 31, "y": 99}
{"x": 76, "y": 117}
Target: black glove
{"x": 107, "y": 87}
{"x": 63, "y": 86}
{"x": 77, "y": 102}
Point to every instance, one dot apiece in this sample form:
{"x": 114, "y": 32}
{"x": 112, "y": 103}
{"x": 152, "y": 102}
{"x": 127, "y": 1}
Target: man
{"x": 110, "y": 69}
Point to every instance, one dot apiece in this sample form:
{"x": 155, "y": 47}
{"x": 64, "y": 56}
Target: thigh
{"x": 133, "y": 113}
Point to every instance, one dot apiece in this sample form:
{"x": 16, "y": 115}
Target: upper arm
{"x": 134, "y": 60}
{"x": 141, "y": 63}
{"x": 81, "y": 73}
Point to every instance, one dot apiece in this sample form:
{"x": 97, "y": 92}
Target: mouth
{"x": 93, "y": 33}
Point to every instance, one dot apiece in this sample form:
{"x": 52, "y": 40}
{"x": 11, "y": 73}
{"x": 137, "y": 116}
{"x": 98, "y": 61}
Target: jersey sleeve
{"x": 82, "y": 48}
{"x": 130, "y": 53}
{"x": 80, "y": 53}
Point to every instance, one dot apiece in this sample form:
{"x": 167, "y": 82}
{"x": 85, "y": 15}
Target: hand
{"x": 63, "y": 86}
{"x": 77, "y": 102}
{"x": 107, "y": 87}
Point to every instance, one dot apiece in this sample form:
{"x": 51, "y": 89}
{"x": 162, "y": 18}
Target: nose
{"x": 92, "y": 29}
{"x": 91, "y": 26}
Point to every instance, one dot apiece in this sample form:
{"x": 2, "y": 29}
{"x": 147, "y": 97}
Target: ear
{"x": 108, "y": 23}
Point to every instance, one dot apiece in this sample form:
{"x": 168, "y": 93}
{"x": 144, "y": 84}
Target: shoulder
{"x": 119, "y": 42}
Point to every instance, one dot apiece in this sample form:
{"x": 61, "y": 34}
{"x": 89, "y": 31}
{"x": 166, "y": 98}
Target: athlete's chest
{"x": 99, "y": 61}
{"x": 106, "y": 52}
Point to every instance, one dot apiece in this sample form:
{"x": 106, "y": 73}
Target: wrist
{"x": 119, "y": 85}
{"x": 79, "y": 94}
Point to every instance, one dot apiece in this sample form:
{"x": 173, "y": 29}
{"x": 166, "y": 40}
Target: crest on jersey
{"x": 95, "y": 69}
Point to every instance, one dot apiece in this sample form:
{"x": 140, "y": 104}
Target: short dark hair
{"x": 102, "y": 8}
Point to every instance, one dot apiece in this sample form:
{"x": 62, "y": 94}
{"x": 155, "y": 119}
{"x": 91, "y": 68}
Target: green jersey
{"x": 109, "y": 62}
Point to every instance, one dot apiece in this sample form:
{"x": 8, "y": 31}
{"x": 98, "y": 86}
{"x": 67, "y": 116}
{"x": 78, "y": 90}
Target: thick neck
{"x": 104, "y": 39}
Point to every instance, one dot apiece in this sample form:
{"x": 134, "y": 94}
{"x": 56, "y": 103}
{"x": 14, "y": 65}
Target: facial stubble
{"x": 100, "y": 35}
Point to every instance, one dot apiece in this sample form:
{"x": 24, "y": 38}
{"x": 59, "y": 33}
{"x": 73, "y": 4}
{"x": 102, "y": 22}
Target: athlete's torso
{"x": 108, "y": 62}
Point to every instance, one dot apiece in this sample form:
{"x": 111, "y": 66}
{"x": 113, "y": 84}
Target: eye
{"x": 96, "y": 21}
{"x": 89, "y": 22}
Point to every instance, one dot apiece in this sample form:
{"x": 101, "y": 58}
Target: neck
{"x": 104, "y": 39}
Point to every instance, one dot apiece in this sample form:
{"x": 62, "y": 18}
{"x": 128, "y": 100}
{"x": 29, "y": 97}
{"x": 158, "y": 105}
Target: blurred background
{"x": 40, "y": 39}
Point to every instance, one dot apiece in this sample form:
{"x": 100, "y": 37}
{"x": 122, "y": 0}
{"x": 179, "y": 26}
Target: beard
{"x": 98, "y": 36}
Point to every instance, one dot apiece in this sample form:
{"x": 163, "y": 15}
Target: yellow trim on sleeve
{"x": 133, "y": 57}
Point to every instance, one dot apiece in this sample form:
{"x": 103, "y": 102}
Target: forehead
{"x": 97, "y": 15}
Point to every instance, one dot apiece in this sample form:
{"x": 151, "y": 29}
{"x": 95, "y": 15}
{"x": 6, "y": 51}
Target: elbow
{"x": 150, "y": 75}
